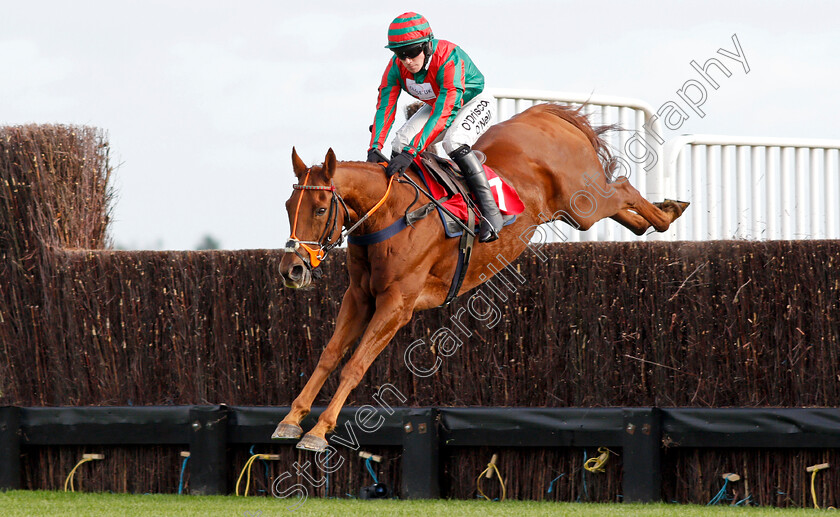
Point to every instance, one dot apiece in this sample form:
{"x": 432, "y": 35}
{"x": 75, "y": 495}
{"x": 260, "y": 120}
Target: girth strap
{"x": 465, "y": 246}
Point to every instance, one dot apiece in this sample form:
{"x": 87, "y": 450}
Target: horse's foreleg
{"x": 393, "y": 310}
{"x": 352, "y": 318}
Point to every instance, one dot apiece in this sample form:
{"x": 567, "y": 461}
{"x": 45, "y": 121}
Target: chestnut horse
{"x": 548, "y": 153}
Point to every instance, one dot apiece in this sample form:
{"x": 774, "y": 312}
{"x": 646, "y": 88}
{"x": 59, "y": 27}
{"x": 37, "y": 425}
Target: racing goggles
{"x": 409, "y": 52}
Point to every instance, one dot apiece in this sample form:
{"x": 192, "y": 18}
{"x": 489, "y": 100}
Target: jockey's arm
{"x": 450, "y": 98}
{"x": 386, "y": 106}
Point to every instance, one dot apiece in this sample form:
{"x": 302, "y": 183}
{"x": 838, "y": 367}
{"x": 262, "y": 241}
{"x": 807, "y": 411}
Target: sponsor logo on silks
{"x": 478, "y": 118}
{"x": 422, "y": 91}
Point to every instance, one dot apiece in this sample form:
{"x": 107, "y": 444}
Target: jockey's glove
{"x": 376, "y": 156}
{"x": 399, "y": 163}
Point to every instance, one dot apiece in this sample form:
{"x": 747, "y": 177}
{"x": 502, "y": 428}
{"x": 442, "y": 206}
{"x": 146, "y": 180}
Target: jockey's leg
{"x": 410, "y": 129}
{"x": 436, "y": 147}
{"x": 491, "y": 221}
{"x": 472, "y": 121}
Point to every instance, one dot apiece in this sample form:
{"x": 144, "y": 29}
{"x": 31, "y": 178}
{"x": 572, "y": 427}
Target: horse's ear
{"x": 298, "y": 165}
{"x": 329, "y": 164}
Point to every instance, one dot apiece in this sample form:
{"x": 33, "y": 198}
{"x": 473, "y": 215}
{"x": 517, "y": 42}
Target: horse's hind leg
{"x": 639, "y": 225}
{"x": 632, "y": 221}
{"x": 353, "y": 317}
{"x": 659, "y": 215}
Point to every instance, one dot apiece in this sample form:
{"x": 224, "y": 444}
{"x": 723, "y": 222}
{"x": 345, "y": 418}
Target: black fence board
{"x": 531, "y": 427}
{"x": 209, "y": 431}
{"x": 9, "y": 448}
{"x": 117, "y": 425}
{"x": 421, "y": 455}
{"x": 208, "y": 449}
{"x": 752, "y": 427}
{"x": 642, "y": 451}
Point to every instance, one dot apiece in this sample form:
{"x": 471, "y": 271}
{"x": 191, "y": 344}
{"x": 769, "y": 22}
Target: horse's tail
{"x": 578, "y": 119}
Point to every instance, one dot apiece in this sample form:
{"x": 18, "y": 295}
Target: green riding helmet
{"x": 408, "y": 29}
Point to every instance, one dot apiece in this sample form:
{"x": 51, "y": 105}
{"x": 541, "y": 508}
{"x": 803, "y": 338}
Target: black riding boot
{"x": 492, "y": 222}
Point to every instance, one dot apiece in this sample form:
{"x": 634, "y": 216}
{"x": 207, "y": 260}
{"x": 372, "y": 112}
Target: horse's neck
{"x": 363, "y": 185}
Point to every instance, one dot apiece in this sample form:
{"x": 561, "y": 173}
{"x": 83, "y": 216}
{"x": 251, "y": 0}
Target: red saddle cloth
{"x": 506, "y": 197}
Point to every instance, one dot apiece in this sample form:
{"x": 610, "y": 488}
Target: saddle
{"x": 445, "y": 182}
{"x": 447, "y": 186}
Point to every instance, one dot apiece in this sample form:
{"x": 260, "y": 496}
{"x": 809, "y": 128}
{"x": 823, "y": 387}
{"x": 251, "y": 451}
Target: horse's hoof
{"x": 678, "y": 207}
{"x": 312, "y": 443}
{"x": 683, "y": 204}
{"x": 287, "y": 432}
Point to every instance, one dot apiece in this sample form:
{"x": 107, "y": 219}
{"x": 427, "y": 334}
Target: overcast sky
{"x": 203, "y": 101}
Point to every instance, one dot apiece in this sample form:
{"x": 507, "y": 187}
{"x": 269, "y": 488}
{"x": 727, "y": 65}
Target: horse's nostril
{"x": 296, "y": 272}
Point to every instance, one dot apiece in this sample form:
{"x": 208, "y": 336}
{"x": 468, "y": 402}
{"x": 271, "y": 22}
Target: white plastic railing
{"x": 633, "y": 116}
{"x": 755, "y": 188}
{"x": 739, "y": 187}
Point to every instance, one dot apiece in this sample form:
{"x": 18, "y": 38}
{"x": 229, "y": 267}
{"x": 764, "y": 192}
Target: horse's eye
{"x": 321, "y": 211}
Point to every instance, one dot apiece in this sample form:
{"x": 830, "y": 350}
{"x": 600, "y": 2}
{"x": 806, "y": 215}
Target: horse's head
{"x": 316, "y": 217}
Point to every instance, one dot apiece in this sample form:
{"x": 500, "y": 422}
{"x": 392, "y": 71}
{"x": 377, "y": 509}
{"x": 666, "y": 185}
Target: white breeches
{"x": 471, "y": 121}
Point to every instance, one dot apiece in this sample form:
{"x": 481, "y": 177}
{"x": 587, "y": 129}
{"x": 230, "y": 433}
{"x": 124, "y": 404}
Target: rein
{"x": 316, "y": 256}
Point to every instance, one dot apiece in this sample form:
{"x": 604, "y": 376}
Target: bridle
{"x": 316, "y": 251}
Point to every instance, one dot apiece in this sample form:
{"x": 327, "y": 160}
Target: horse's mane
{"x": 361, "y": 169}
{"x": 578, "y": 119}
{"x": 360, "y": 166}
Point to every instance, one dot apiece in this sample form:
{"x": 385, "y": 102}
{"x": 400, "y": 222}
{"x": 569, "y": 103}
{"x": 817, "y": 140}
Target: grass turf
{"x": 44, "y": 503}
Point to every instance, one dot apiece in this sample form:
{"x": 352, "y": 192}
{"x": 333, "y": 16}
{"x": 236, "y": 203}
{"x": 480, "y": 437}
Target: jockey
{"x": 440, "y": 74}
